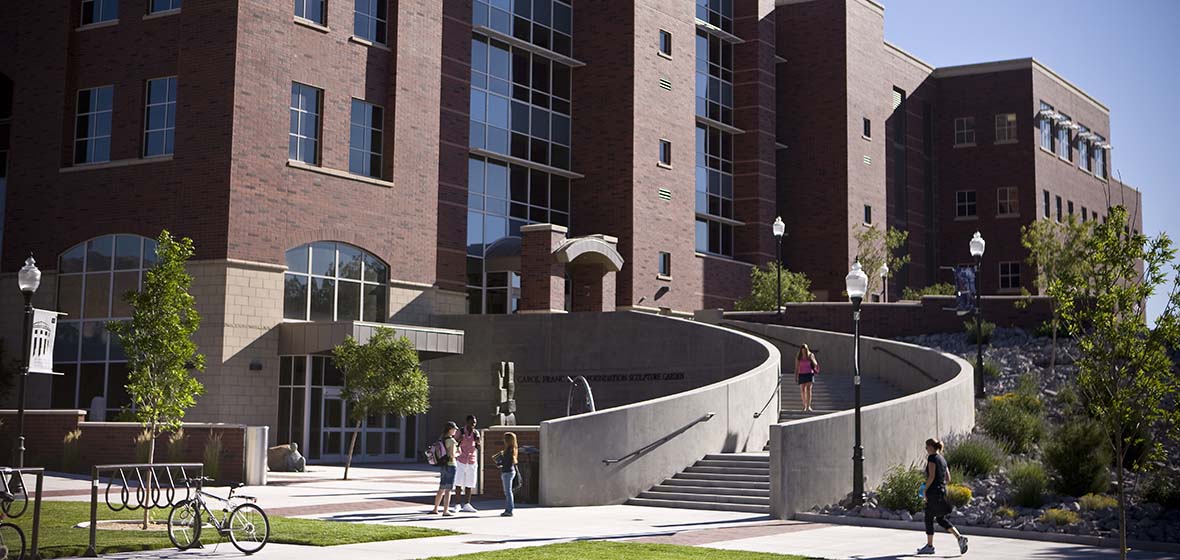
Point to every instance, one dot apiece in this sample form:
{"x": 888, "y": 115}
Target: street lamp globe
{"x": 977, "y": 245}
{"x": 883, "y": 271}
{"x": 779, "y": 227}
{"x": 29, "y": 277}
{"x": 856, "y": 283}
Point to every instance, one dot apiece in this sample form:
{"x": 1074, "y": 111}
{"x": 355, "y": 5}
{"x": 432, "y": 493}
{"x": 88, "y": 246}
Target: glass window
{"x": 868, "y": 214}
{"x": 365, "y": 139}
{"x": 305, "y": 124}
{"x": 96, "y": 11}
{"x": 92, "y": 125}
{"x": 1046, "y": 204}
{"x": 1069, "y": 207}
{"x": 159, "y": 122}
{"x": 1083, "y": 140}
{"x": 369, "y": 20}
{"x": 665, "y": 42}
{"x": 93, "y": 281}
{"x": 1059, "y": 209}
{"x": 965, "y": 204}
{"x": 1007, "y": 203}
{"x": 868, "y": 128}
{"x": 1010, "y": 275}
{"x": 965, "y": 131}
{"x": 1006, "y": 127}
{"x": 714, "y": 78}
{"x": 163, "y": 5}
{"x": 718, "y": 13}
{"x": 665, "y": 264}
{"x": 1046, "y": 125}
{"x": 1063, "y": 145}
{"x": 312, "y": 10}
{"x": 666, "y": 152}
{"x": 1085, "y": 214}
{"x": 714, "y": 187}
{"x": 1099, "y": 157}
{"x": 330, "y": 281}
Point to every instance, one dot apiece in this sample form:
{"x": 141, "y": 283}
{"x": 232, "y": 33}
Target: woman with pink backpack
{"x": 806, "y": 368}
{"x": 445, "y": 446}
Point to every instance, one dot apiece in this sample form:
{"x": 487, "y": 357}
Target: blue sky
{"x": 1121, "y": 52}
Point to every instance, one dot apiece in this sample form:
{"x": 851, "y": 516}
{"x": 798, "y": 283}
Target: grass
{"x": 602, "y": 550}
{"x": 60, "y": 539}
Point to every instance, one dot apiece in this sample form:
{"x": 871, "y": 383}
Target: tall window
{"x": 97, "y": 11}
{"x": 92, "y": 279}
{"x": 1085, "y": 214}
{"x": 665, "y": 152}
{"x": 329, "y": 281}
{"x": 1063, "y": 147}
{"x": 867, "y": 126}
{"x": 1069, "y": 207}
{"x": 1010, "y": 275}
{"x": 1007, "y": 203}
{"x": 718, "y": 13}
{"x": 665, "y": 264}
{"x": 1099, "y": 157}
{"x": 1084, "y": 150}
{"x": 1046, "y": 128}
{"x": 159, "y": 122}
{"x": 868, "y": 214}
{"x": 92, "y": 125}
{"x": 964, "y": 131}
{"x": 1046, "y": 204}
{"x": 965, "y": 204}
{"x": 315, "y": 11}
{"x": 714, "y": 191}
{"x": 665, "y": 43}
{"x": 369, "y": 20}
{"x": 163, "y": 5}
{"x": 305, "y": 124}
{"x": 1006, "y": 127}
{"x": 545, "y": 23}
{"x": 365, "y": 139}
{"x": 714, "y": 75}
{"x": 1059, "y": 216}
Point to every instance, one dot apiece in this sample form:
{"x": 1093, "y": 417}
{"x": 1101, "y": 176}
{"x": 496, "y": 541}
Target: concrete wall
{"x": 810, "y": 459}
{"x": 660, "y": 437}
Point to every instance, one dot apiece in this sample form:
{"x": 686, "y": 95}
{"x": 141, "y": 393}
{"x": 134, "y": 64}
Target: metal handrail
{"x": 658, "y": 442}
{"x": 149, "y": 488}
{"x": 7, "y": 479}
{"x": 893, "y": 354}
{"x": 776, "y": 394}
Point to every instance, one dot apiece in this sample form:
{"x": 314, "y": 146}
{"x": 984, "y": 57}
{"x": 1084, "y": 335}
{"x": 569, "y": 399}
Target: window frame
{"x": 369, "y": 131}
{"x": 868, "y": 217}
{"x": 174, "y": 6}
{"x": 1058, "y": 204}
{"x": 92, "y": 115}
{"x": 337, "y": 279}
{"x": 323, "y": 21}
{"x": 664, "y": 264}
{"x": 1009, "y": 127}
{"x": 966, "y": 209}
{"x": 98, "y": 10}
{"x": 1007, "y": 198}
{"x": 1062, "y": 143}
{"x": 172, "y": 83}
{"x": 965, "y": 134}
{"x": 379, "y": 26}
{"x": 664, "y": 43}
{"x": 665, "y": 155}
{"x": 866, "y": 128}
{"x": 1009, "y": 273}
{"x": 298, "y": 136}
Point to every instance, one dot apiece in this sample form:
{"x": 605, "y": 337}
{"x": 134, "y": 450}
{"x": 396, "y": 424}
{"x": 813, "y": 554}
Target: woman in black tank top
{"x": 937, "y": 506}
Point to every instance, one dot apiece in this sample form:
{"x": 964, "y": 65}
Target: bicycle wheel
{"x": 184, "y": 524}
{"x": 20, "y": 501}
{"x": 12, "y": 542}
{"x": 248, "y": 528}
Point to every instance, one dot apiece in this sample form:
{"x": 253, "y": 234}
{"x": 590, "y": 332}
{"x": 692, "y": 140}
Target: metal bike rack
{"x": 9, "y": 477}
{"x": 168, "y": 483}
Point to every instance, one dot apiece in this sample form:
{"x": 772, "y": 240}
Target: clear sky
{"x": 1122, "y": 52}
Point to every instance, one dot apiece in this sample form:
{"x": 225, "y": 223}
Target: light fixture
{"x": 779, "y": 227}
{"x": 884, "y": 270}
{"x": 856, "y": 283}
{"x": 29, "y": 277}
{"x": 977, "y": 245}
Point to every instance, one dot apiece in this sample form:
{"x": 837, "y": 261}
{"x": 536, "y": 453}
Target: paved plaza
{"x": 401, "y": 495}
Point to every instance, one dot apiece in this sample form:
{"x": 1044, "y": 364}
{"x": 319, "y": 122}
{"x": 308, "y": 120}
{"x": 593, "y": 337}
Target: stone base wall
{"x": 493, "y": 442}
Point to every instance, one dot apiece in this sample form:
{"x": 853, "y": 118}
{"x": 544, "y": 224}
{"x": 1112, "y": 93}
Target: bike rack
{"x": 7, "y": 478}
{"x": 166, "y": 481}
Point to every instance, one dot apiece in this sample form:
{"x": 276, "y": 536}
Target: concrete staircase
{"x": 721, "y": 482}
{"x": 832, "y": 393}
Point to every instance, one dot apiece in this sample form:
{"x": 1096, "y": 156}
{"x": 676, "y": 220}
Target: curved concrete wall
{"x": 661, "y": 437}
{"x": 811, "y": 459}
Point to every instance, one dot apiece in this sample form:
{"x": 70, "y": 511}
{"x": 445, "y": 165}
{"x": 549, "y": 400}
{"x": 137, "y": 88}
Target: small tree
{"x": 1055, "y": 249}
{"x": 1125, "y": 372}
{"x": 875, "y": 247}
{"x": 380, "y": 377}
{"x": 764, "y": 283}
{"x": 158, "y": 341}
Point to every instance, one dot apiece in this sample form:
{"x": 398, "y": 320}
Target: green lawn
{"x": 60, "y": 539}
{"x": 602, "y": 550}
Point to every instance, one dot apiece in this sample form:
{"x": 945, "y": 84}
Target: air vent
{"x": 665, "y": 194}
{"x": 868, "y": 160}
{"x": 666, "y": 84}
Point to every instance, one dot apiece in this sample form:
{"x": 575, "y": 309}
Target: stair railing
{"x": 773, "y": 395}
{"x": 642, "y": 450}
{"x": 888, "y": 352}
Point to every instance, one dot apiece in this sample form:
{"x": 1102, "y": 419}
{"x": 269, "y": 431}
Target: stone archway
{"x": 546, "y": 256}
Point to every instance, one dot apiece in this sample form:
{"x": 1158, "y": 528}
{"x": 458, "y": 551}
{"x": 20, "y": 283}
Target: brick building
{"x": 423, "y": 136}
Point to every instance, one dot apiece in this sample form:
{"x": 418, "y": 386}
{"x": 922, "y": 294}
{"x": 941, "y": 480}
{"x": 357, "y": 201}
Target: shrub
{"x": 941, "y": 289}
{"x": 764, "y": 286}
{"x": 71, "y": 451}
{"x": 974, "y": 455}
{"x": 991, "y": 369}
{"x": 212, "y": 457}
{"x": 1077, "y": 455}
{"x": 1028, "y": 484}
{"x": 1009, "y": 421}
{"x": 174, "y": 446}
{"x": 1164, "y": 490}
{"x": 988, "y": 327}
{"x": 1068, "y": 401}
{"x": 1060, "y": 517}
{"x": 1095, "y": 502}
{"x": 958, "y": 495}
{"x": 1005, "y": 511}
{"x": 143, "y": 443}
{"x": 899, "y": 490}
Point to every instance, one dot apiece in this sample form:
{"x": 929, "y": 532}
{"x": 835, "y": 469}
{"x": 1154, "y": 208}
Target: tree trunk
{"x": 148, "y": 499}
{"x": 1122, "y": 500}
{"x": 1053, "y": 351}
{"x": 351, "y": 446}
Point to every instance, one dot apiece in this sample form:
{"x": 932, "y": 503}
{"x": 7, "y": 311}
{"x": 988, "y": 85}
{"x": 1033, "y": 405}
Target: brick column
{"x": 593, "y": 287}
{"x": 542, "y": 278}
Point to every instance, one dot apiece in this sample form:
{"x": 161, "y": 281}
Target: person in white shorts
{"x": 466, "y": 465}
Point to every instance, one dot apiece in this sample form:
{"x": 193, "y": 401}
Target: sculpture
{"x": 285, "y": 458}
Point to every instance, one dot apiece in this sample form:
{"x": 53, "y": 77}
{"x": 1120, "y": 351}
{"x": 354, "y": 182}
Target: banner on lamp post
{"x": 41, "y": 342}
{"x": 965, "y": 289}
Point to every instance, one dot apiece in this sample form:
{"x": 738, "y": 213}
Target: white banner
{"x": 41, "y": 343}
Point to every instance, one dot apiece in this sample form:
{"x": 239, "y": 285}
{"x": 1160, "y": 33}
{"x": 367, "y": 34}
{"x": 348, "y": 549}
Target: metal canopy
{"x": 321, "y": 336}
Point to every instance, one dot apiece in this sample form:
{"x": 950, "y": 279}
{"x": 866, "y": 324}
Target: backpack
{"x": 436, "y": 453}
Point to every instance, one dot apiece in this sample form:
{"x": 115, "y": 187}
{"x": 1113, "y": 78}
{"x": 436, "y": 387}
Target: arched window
{"x": 92, "y": 278}
{"x": 330, "y": 281}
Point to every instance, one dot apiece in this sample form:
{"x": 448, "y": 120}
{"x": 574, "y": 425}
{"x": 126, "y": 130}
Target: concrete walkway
{"x": 402, "y": 495}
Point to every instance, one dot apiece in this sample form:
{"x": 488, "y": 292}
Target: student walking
{"x": 466, "y": 469}
{"x": 507, "y": 459}
{"x": 937, "y": 505}
{"x": 806, "y": 368}
{"x": 447, "y": 464}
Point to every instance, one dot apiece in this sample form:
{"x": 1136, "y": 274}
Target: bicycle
{"x": 12, "y": 490}
{"x": 245, "y": 524}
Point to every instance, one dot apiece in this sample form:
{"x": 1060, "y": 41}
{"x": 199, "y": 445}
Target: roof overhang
{"x": 320, "y": 337}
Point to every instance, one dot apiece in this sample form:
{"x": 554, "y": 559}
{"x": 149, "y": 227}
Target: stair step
{"x": 752, "y": 457}
{"x": 711, "y": 490}
{"x": 718, "y": 498}
{"x": 765, "y": 471}
{"x": 726, "y": 484}
{"x": 722, "y": 477}
{"x": 764, "y": 464}
{"x": 715, "y": 506}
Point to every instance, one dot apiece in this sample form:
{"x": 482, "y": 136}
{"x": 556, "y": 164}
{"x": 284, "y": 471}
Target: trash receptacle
{"x": 530, "y": 472}
{"x": 256, "y": 439}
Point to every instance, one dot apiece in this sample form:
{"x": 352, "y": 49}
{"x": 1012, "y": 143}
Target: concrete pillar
{"x": 542, "y": 278}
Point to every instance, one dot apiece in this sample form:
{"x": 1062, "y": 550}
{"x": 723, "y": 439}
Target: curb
{"x": 1100, "y": 542}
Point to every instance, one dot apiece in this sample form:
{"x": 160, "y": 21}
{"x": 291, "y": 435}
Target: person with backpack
{"x": 442, "y": 453}
{"x": 467, "y": 465}
{"x": 509, "y": 476}
{"x": 937, "y": 505}
{"x": 806, "y": 368}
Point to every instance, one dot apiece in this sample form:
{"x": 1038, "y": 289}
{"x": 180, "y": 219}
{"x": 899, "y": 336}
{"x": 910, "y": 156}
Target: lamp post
{"x": 29, "y": 279}
{"x": 779, "y": 229}
{"x": 977, "y": 246}
{"x": 883, "y": 272}
{"x": 856, "y": 283}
